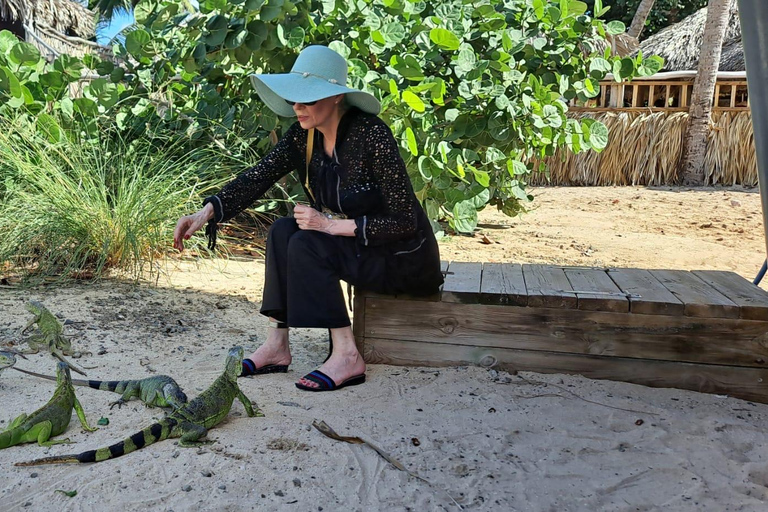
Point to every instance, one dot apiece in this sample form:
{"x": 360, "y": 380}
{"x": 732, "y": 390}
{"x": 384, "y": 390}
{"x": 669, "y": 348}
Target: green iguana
{"x": 190, "y": 423}
{"x": 51, "y": 419}
{"x": 50, "y": 335}
{"x": 8, "y": 359}
{"x": 156, "y": 391}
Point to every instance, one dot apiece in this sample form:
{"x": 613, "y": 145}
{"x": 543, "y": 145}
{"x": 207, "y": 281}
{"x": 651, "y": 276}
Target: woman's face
{"x": 319, "y": 115}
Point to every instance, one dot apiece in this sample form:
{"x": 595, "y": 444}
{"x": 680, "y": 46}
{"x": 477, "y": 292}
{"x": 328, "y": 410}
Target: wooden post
{"x": 666, "y": 101}
{"x": 634, "y": 95}
{"x": 733, "y": 96}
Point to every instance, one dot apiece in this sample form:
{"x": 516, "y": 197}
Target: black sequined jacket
{"x": 372, "y": 187}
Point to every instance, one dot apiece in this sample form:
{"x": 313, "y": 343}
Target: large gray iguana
{"x": 190, "y": 423}
{"x": 155, "y": 391}
{"x": 49, "y": 335}
{"x": 51, "y": 419}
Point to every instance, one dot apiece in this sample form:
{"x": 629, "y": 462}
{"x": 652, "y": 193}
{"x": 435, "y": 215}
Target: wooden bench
{"x": 702, "y": 330}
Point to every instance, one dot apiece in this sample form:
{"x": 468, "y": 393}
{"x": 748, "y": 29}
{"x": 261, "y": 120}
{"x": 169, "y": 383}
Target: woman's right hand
{"x": 189, "y": 224}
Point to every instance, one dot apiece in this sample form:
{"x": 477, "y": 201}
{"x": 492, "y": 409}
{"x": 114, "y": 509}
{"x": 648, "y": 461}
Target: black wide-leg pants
{"x": 303, "y": 272}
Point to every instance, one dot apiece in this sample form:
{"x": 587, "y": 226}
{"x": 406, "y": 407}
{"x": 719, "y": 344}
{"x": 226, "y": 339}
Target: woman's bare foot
{"x": 345, "y": 361}
{"x": 274, "y": 351}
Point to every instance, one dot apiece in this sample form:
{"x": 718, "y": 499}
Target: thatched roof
{"x": 679, "y": 44}
{"x": 64, "y": 16}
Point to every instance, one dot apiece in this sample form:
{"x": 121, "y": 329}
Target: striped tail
{"x": 152, "y": 434}
{"x": 107, "y": 385}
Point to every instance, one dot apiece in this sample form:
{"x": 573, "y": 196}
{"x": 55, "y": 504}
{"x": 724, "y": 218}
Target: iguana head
{"x": 35, "y": 307}
{"x": 7, "y": 359}
{"x": 62, "y": 374}
{"x": 234, "y": 364}
{"x": 175, "y": 393}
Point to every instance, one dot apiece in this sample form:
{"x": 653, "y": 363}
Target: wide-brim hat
{"x": 318, "y": 73}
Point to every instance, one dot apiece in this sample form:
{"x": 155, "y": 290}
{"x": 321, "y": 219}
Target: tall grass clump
{"x": 74, "y": 208}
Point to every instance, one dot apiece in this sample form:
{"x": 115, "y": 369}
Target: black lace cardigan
{"x": 373, "y": 189}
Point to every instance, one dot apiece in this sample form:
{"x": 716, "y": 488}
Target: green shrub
{"x": 82, "y": 207}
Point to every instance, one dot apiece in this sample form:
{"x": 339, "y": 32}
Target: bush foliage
{"x": 474, "y": 90}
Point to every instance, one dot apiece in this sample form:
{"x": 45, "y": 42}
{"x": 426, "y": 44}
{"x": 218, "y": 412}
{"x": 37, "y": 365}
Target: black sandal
{"x": 249, "y": 367}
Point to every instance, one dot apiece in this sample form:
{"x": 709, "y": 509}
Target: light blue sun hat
{"x": 318, "y": 73}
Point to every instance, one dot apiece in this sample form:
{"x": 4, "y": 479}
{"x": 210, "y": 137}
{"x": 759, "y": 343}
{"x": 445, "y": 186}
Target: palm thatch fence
{"x": 646, "y": 149}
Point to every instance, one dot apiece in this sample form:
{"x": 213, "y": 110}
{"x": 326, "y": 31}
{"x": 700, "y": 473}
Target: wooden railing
{"x": 667, "y": 92}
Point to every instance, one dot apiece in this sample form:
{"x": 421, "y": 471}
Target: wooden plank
{"x": 503, "y": 283}
{"x": 751, "y": 300}
{"x": 667, "y": 96}
{"x": 733, "y": 96}
{"x": 739, "y": 382}
{"x": 462, "y": 284}
{"x": 647, "y": 296}
{"x": 660, "y": 337}
{"x": 699, "y": 299}
{"x": 595, "y": 291}
{"x": 684, "y": 96}
{"x": 548, "y": 287}
{"x": 635, "y": 95}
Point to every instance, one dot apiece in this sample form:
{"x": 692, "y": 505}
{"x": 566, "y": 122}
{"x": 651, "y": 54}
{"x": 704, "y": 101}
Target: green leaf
{"x": 253, "y": 5}
{"x": 411, "y": 139}
{"x": 393, "y": 32}
{"x": 7, "y": 41}
{"x": 103, "y": 92}
{"x": 103, "y": 421}
{"x": 577, "y": 8}
{"x": 445, "y": 39}
{"x": 71, "y": 494}
{"x": 235, "y": 39}
{"x": 482, "y": 177}
{"x": 598, "y": 136}
{"x": 464, "y": 217}
{"x": 615, "y": 27}
{"x": 135, "y": 42}
{"x": 24, "y": 54}
{"x": 650, "y": 66}
{"x": 413, "y": 101}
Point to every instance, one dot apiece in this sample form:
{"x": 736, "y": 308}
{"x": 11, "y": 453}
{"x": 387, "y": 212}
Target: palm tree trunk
{"x": 641, "y": 16}
{"x": 695, "y": 146}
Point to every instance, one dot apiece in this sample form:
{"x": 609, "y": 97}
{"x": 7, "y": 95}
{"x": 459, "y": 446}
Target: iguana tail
{"x": 152, "y": 434}
{"x": 117, "y": 386}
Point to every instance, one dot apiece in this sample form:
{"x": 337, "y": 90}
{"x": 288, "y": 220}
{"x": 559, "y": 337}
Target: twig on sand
{"x": 329, "y": 432}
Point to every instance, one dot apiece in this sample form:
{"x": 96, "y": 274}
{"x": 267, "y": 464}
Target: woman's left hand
{"x": 308, "y": 218}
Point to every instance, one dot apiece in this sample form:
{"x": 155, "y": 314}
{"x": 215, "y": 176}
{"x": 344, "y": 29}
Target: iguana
{"x": 51, "y": 419}
{"x": 8, "y": 359}
{"x": 50, "y": 335}
{"x": 155, "y": 391}
{"x": 190, "y": 423}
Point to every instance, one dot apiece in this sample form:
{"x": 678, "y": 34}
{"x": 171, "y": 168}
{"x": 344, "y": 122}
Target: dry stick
{"x": 329, "y": 432}
{"x": 533, "y": 383}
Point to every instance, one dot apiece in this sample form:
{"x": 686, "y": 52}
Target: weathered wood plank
{"x": 700, "y": 299}
{"x": 647, "y": 296}
{"x": 503, "y": 283}
{"x": 752, "y": 300}
{"x": 739, "y": 382}
{"x": 548, "y": 287}
{"x": 462, "y": 284}
{"x": 595, "y": 291}
{"x": 661, "y": 337}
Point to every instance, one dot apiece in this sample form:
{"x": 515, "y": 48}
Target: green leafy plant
{"x": 82, "y": 207}
{"x": 476, "y": 92}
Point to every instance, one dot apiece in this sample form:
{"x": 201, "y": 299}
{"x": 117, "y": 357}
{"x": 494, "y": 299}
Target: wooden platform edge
{"x": 739, "y": 382}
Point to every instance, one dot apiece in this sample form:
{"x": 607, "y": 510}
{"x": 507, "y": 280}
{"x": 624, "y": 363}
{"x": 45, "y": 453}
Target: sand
{"x": 484, "y": 440}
